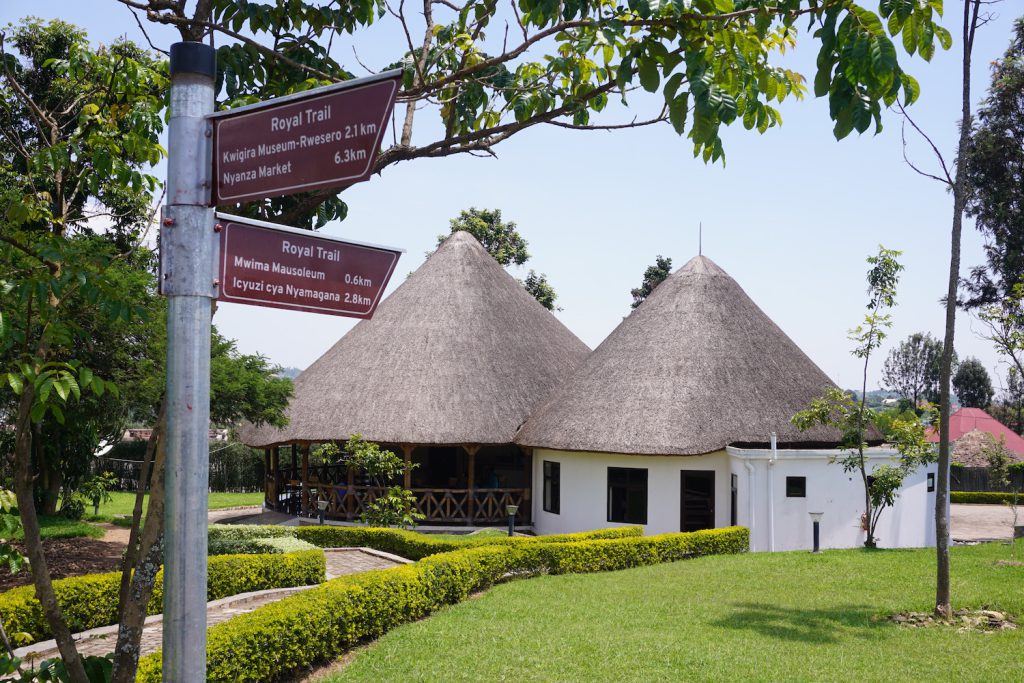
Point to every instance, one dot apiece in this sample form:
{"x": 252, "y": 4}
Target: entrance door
{"x": 697, "y": 500}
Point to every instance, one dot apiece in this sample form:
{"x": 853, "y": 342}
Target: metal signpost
{"x": 324, "y": 138}
{"x": 269, "y": 265}
{"x": 311, "y": 140}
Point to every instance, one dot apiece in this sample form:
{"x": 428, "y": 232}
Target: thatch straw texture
{"x": 696, "y": 367}
{"x": 460, "y": 353}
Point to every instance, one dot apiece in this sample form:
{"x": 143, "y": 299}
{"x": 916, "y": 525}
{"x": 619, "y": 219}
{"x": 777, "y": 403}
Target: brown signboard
{"x": 263, "y": 264}
{"x": 327, "y": 137}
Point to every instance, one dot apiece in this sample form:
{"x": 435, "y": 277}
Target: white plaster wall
{"x": 584, "y": 484}
{"x": 839, "y": 495}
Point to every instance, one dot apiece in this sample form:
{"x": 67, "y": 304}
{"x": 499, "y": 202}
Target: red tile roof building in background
{"x": 973, "y": 422}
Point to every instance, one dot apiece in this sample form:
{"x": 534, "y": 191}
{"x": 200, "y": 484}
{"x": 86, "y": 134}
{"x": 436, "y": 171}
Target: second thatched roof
{"x": 460, "y": 353}
{"x": 698, "y": 366}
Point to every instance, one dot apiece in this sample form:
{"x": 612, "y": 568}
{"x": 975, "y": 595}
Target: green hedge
{"x": 91, "y": 601}
{"x": 319, "y": 624}
{"x": 246, "y": 532}
{"x": 416, "y": 546}
{"x": 984, "y": 497}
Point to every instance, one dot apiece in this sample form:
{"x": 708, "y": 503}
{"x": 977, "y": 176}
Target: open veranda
{"x": 752, "y": 617}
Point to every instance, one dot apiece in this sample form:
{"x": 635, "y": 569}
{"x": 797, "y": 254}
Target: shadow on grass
{"x": 807, "y": 625}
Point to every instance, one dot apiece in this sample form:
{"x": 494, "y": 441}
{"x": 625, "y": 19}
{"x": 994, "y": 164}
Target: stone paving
{"x": 982, "y": 522}
{"x": 101, "y": 641}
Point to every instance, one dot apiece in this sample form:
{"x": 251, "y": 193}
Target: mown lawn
{"x": 123, "y": 503}
{"x": 59, "y": 527}
{"x": 756, "y": 617}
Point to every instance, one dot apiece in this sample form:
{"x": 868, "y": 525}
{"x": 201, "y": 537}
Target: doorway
{"x": 697, "y": 500}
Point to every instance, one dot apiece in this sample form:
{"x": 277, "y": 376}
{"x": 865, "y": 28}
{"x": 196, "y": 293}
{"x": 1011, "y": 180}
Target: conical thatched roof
{"x": 460, "y": 353}
{"x": 696, "y": 367}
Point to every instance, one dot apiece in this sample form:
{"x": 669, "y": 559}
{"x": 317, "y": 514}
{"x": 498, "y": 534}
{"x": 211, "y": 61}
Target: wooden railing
{"x": 440, "y": 506}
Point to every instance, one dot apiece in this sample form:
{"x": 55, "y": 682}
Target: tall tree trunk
{"x": 943, "y": 607}
{"x": 144, "y": 556}
{"x": 24, "y": 490}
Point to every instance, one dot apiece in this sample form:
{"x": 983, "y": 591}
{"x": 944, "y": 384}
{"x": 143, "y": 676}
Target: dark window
{"x": 931, "y": 482}
{"x": 627, "y": 495}
{"x": 796, "y": 487}
{"x": 552, "y": 487}
{"x": 732, "y": 502}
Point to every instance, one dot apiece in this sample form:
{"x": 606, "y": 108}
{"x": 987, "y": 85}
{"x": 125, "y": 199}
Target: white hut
{"x": 680, "y": 420}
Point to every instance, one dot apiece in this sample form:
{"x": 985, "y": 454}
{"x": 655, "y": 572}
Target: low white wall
{"x": 910, "y": 523}
{"x": 782, "y": 525}
{"x": 584, "y": 489}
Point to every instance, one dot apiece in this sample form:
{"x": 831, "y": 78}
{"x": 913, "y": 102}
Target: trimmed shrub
{"x": 91, "y": 601}
{"x": 416, "y": 546}
{"x": 244, "y": 532}
{"x": 319, "y": 624}
{"x": 984, "y": 497}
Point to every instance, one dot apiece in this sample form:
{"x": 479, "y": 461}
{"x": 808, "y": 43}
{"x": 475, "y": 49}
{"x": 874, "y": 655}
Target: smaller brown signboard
{"x": 263, "y": 264}
{"x": 322, "y": 138}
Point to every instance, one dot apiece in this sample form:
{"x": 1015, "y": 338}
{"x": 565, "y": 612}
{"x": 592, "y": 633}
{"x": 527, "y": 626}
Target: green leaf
{"x": 649, "y": 76}
{"x": 84, "y": 377}
{"x": 16, "y": 384}
{"x": 57, "y": 413}
{"x": 945, "y": 39}
{"x": 677, "y": 111}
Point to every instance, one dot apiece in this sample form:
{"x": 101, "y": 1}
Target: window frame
{"x": 634, "y": 489}
{"x": 796, "y": 483}
{"x": 551, "y": 473}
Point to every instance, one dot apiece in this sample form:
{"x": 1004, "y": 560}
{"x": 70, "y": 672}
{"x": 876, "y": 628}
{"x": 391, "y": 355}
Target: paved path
{"x": 101, "y": 641}
{"x": 982, "y": 522}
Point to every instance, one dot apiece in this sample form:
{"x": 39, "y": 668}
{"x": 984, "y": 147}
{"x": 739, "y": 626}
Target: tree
{"x": 502, "y": 241}
{"x": 498, "y": 237}
{"x": 954, "y": 178}
{"x": 839, "y": 410}
{"x": 81, "y": 330}
{"x": 912, "y": 369}
{"x": 564, "y": 66}
{"x": 994, "y": 177}
{"x": 78, "y": 128}
{"x": 653, "y": 276}
{"x": 972, "y": 384}
{"x": 1010, "y": 409}
{"x": 393, "y": 505}
{"x": 541, "y": 290}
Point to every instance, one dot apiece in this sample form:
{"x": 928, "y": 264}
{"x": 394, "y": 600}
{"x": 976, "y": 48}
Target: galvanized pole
{"x": 188, "y": 254}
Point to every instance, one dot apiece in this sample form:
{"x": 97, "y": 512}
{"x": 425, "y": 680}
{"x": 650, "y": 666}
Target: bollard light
{"x": 511, "y": 510}
{"x": 816, "y": 520}
{"x": 322, "y": 507}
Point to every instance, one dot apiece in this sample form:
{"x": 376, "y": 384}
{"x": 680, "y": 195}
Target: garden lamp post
{"x": 816, "y": 520}
{"x": 321, "y": 505}
{"x": 511, "y": 510}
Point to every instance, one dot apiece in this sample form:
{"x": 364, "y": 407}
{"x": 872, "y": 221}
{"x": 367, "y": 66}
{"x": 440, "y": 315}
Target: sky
{"x": 791, "y": 216}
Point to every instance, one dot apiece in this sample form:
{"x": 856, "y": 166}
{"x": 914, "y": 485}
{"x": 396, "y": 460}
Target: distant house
{"x": 680, "y": 420}
{"x": 969, "y": 429}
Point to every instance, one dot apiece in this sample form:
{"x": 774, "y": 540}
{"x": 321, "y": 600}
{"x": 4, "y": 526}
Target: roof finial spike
{"x": 700, "y": 238}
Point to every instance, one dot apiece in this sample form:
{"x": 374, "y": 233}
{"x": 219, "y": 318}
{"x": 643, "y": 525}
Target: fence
{"x": 234, "y": 468}
{"x": 977, "y": 479}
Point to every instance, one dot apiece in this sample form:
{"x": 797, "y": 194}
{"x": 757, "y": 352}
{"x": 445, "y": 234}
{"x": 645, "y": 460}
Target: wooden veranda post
{"x": 471, "y": 482}
{"x": 407, "y": 476}
{"x": 266, "y": 477}
{"x": 305, "y": 480}
{"x": 275, "y": 474}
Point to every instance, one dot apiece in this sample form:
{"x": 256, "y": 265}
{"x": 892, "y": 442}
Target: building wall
{"x": 584, "y": 494}
{"x": 839, "y": 495}
{"x": 910, "y": 523}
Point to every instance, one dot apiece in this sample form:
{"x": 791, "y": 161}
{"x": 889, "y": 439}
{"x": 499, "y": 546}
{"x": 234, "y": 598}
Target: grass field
{"x": 756, "y": 617}
{"x": 123, "y": 503}
{"x": 59, "y": 527}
